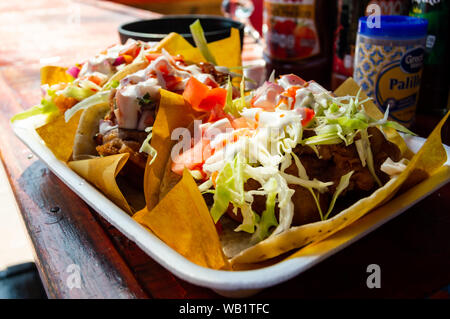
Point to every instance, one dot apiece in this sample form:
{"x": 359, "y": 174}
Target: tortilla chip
{"x": 386, "y": 212}
{"x": 59, "y": 136}
{"x": 227, "y": 52}
{"x": 55, "y": 74}
{"x": 191, "y": 232}
{"x": 102, "y": 172}
{"x": 173, "y": 112}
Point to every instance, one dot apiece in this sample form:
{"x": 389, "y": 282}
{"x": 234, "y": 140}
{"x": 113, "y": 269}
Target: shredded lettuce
{"x": 368, "y": 156}
{"x": 229, "y": 187}
{"x": 302, "y": 174}
{"x": 77, "y": 92}
{"x": 235, "y": 107}
{"x": 229, "y": 107}
{"x": 113, "y": 84}
{"x": 398, "y": 127}
{"x": 343, "y": 184}
{"x": 200, "y": 41}
{"x": 268, "y": 218}
{"x": 323, "y": 139}
{"x": 147, "y": 148}
{"x": 250, "y": 219}
{"x": 45, "y": 108}
{"x": 350, "y": 123}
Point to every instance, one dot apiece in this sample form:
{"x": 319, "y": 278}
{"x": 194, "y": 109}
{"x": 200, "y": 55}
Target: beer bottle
{"x": 434, "y": 90}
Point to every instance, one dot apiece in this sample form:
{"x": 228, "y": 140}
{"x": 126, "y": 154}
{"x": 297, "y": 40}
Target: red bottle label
{"x": 290, "y": 29}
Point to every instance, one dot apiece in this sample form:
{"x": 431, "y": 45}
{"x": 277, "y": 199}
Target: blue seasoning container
{"x": 389, "y": 57}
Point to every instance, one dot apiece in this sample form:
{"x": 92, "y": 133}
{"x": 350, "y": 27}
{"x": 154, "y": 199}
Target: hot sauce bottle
{"x": 298, "y": 37}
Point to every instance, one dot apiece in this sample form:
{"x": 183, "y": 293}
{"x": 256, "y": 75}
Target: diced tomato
{"x": 309, "y": 115}
{"x": 194, "y": 92}
{"x": 162, "y": 67}
{"x": 242, "y": 122}
{"x": 152, "y": 56}
{"x": 95, "y": 79}
{"x": 193, "y": 158}
{"x": 217, "y": 113}
{"x": 291, "y": 91}
{"x": 132, "y": 51}
{"x": 211, "y": 83}
{"x": 216, "y": 96}
{"x": 203, "y": 98}
{"x": 171, "y": 81}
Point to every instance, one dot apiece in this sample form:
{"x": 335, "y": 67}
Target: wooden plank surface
{"x": 412, "y": 249}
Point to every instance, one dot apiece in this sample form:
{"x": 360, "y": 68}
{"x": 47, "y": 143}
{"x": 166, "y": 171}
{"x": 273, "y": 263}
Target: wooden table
{"x": 413, "y": 249}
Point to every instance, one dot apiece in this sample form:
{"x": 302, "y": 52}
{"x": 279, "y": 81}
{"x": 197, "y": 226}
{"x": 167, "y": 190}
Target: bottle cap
{"x": 393, "y": 27}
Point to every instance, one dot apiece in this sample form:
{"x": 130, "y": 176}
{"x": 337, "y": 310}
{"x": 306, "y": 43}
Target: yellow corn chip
{"x": 183, "y": 222}
{"x": 54, "y": 74}
{"x": 173, "y": 112}
{"x": 59, "y": 135}
{"x": 227, "y": 52}
{"x": 102, "y": 172}
{"x": 387, "y": 211}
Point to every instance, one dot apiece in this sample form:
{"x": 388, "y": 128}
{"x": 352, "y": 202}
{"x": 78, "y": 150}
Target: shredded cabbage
{"x": 45, "y": 108}
{"x": 343, "y": 184}
{"x": 77, "y": 92}
{"x": 200, "y": 41}
{"x": 147, "y": 148}
{"x": 229, "y": 187}
{"x": 368, "y": 156}
{"x": 268, "y": 218}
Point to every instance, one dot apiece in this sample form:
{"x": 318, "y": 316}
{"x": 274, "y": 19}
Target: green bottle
{"x": 434, "y": 93}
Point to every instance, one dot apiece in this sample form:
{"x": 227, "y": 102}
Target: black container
{"x": 215, "y": 28}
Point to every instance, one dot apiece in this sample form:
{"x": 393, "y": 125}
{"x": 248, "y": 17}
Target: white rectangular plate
{"x": 227, "y": 283}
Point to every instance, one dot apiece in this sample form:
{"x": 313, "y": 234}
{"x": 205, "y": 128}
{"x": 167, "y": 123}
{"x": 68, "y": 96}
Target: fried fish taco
{"x": 123, "y": 124}
{"x": 64, "y": 88}
{"x": 288, "y": 154}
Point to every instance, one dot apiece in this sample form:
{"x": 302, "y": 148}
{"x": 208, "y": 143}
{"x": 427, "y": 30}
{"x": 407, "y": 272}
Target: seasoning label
{"x": 290, "y": 30}
{"x": 390, "y": 75}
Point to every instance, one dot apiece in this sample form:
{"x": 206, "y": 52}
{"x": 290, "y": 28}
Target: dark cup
{"x": 215, "y": 28}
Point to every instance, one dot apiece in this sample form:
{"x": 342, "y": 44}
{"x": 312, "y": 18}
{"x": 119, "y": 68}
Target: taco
{"x": 122, "y": 125}
{"x": 288, "y": 154}
{"x": 65, "y": 88}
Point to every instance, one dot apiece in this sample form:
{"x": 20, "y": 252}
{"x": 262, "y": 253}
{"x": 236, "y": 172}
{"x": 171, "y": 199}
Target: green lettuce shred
{"x": 268, "y": 218}
{"x": 147, "y": 148}
{"x": 229, "y": 187}
{"x": 77, "y": 92}
{"x": 200, "y": 41}
{"x": 45, "y": 108}
{"x": 343, "y": 184}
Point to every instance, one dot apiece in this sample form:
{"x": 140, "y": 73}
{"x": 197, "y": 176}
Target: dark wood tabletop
{"x": 412, "y": 250}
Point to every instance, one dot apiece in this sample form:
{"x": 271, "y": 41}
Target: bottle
{"x": 298, "y": 38}
{"x": 434, "y": 91}
{"x": 389, "y": 58}
{"x": 349, "y": 11}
